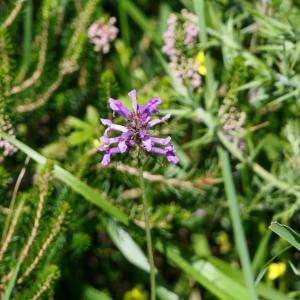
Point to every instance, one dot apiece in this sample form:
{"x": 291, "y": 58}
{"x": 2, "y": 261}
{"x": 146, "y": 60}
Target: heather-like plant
{"x": 33, "y": 224}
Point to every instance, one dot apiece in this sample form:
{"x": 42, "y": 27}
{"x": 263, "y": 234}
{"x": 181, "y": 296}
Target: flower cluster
{"x": 232, "y": 121}
{"x": 102, "y": 33}
{"x": 180, "y": 41}
{"x": 8, "y": 149}
{"x": 136, "y": 132}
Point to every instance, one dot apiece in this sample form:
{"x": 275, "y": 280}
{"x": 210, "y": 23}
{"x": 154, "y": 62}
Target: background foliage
{"x": 72, "y": 229}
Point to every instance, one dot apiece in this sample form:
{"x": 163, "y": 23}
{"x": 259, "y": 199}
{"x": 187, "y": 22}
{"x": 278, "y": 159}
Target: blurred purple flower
{"x": 101, "y": 33}
{"x": 191, "y": 29}
{"x": 136, "y": 132}
{"x": 180, "y": 43}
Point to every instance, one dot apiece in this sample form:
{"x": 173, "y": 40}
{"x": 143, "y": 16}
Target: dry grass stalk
{"x": 69, "y": 64}
{"x": 11, "y": 229}
{"x": 13, "y": 199}
{"x": 13, "y": 14}
{"x": 208, "y": 180}
{"x": 43, "y": 41}
{"x": 36, "y": 224}
{"x": 46, "y": 285}
{"x": 42, "y": 99}
{"x": 54, "y": 232}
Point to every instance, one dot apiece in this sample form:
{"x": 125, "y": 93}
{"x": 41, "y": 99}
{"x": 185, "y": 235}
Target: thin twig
{"x": 196, "y": 184}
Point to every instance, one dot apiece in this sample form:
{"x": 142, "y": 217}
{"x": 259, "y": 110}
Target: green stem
{"x": 27, "y": 30}
{"x": 148, "y": 236}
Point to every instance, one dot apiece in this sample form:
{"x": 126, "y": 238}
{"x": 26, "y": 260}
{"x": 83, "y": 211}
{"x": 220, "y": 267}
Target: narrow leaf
{"x": 286, "y": 233}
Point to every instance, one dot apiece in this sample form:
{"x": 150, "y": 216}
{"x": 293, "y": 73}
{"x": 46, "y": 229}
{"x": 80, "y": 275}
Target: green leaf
{"x": 76, "y": 123}
{"x": 286, "y": 233}
{"x": 133, "y": 253}
{"x": 79, "y": 137}
{"x": 165, "y": 294}
{"x": 92, "y": 115}
{"x": 91, "y": 293}
{"x": 127, "y": 246}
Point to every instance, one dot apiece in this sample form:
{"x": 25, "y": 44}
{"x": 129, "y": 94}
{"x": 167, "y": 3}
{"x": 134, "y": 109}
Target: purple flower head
{"x": 136, "y": 132}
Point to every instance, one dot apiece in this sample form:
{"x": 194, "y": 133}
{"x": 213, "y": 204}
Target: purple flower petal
{"x": 114, "y": 150}
{"x": 158, "y": 150}
{"x": 132, "y": 95}
{"x": 173, "y": 159}
{"x": 158, "y": 121}
{"x": 106, "y": 122}
{"x": 122, "y": 146}
{"x": 107, "y": 140}
{"x": 119, "y": 128}
{"x": 147, "y": 144}
{"x": 151, "y": 106}
{"x": 106, "y": 159}
{"x": 162, "y": 141}
{"x": 119, "y": 108}
{"x": 170, "y": 153}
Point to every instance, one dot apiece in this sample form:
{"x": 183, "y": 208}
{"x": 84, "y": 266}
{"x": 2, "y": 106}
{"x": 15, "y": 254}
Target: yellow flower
{"x": 137, "y": 293}
{"x": 223, "y": 241}
{"x": 200, "y": 60}
{"x": 276, "y": 270}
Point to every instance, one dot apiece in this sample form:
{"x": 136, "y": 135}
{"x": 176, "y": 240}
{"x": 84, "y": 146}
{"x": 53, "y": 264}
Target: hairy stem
{"x": 148, "y": 236}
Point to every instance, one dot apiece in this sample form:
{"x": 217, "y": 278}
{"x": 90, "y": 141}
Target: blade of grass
{"x": 11, "y": 283}
{"x": 261, "y": 252}
{"x": 237, "y": 223}
{"x": 27, "y": 33}
{"x": 123, "y": 18}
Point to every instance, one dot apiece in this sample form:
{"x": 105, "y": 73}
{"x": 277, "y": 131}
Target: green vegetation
{"x": 224, "y": 220}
